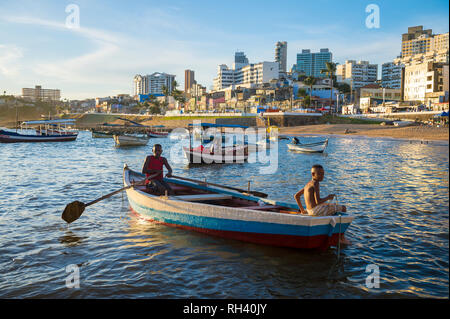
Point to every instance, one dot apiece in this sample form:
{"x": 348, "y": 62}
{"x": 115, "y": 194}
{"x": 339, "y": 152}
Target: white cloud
{"x": 10, "y": 56}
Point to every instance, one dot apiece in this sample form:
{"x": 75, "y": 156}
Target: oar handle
{"x": 259, "y": 194}
{"x": 120, "y": 190}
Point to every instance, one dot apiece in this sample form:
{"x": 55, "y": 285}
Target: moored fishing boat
{"x": 318, "y": 147}
{"x": 102, "y": 134}
{"x": 216, "y": 154}
{"x": 46, "y": 131}
{"x": 215, "y": 150}
{"x": 157, "y": 132}
{"x": 234, "y": 215}
{"x": 130, "y": 140}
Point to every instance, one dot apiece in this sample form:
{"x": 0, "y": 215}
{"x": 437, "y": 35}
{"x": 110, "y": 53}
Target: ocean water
{"x": 397, "y": 189}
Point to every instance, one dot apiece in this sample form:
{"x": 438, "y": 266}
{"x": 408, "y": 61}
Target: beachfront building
{"x": 40, "y": 94}
{"x": 425, "y": 56}
{"x": 424, "y": 80}
{"x": 357, "y": 74}
{"x": 310, "y": 64}
{"x": 281, "y": 55}
{"x": 391, "y": 75}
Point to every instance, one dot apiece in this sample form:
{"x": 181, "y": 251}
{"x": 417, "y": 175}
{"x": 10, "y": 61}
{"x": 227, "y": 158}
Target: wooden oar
{"x": 74, "y": 210}
{"x": 255, "y": 193}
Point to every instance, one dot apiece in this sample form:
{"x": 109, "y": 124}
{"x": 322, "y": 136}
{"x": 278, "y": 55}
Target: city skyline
{"x": 117, "y": 41}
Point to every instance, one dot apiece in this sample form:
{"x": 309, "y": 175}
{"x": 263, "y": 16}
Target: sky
{"x": 40, "y": 43}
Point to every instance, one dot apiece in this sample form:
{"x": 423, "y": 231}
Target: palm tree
{"x": 330, "y": 71}
{"x": 166, "y": 92}
{"x": 310, "y": 81}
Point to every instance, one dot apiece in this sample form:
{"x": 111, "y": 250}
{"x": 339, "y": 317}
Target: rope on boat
{"x": 340, "y": 224}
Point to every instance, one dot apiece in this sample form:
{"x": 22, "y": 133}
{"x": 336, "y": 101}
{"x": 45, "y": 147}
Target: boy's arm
{"x": 169, "y": 169}
{"x": 144, "y": 167}
{"x": 317, "y": 195}
{"x": 297, "y": 199}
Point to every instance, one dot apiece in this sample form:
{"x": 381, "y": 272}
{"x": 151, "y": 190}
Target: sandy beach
{"x": 372, "y": 130}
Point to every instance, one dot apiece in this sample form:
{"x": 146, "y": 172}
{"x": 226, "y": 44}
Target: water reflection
{"x": 397, "y": 190}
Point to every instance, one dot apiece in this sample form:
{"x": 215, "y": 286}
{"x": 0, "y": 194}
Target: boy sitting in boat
{"x": 316, "y": 206}
{"x": 154, "y": 164}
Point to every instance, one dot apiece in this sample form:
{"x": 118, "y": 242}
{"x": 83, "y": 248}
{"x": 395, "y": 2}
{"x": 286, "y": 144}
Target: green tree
{"x": 310, "y": 81}
{"x": 330, "y": 71}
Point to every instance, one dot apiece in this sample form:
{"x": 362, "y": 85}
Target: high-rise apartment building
{"x": 258, "y": 73}
{"x": 40, "y": 94}
{"x": 189, "y": 80}
{"x": 153, "y": 83}
{"x": 357, "y": 74}
{"x": 140, "y": 84}
{"x": 157, "y": 80}
{"x": 310, "y": 64}
{"x": 419, "y": 41}
{"x": 239, "y": 57}
{"x": 391, "y": 75}
{"x": 281, "y": 55}
{"x": 249, "y": 75}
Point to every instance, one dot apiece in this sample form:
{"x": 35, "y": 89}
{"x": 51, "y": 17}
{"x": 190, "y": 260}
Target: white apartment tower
{"x": 357, "y": 74}
{"x": 140, "y": 84}
{"x": 153, "y": 83}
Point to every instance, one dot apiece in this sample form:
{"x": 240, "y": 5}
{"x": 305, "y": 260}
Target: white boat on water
{"x": 131, "y": 140}
{"x": 318, "y": 147}
{"x": 216, "y": 154}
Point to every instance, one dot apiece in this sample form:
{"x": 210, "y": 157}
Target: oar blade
{"x": 73, "y": 211}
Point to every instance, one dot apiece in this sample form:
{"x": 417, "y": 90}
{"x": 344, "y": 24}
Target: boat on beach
{"x": 130, "y": 140}
{"x": 44, "y": 131}
{"x": 317, "y": 147}
{"x": 230, "y": 214}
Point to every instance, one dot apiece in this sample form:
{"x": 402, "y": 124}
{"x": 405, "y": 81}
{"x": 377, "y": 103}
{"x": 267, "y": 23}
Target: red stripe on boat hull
{"x": 321, "y": 242}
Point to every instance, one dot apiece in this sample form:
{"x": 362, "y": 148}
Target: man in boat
{"x": 316, "y": 206}
{"x": 154, "y": 164}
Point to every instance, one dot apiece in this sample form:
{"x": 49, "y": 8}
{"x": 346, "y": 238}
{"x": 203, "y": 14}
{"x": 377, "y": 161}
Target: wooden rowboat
{"x": 130, "y": 140}
{"x": 102, "y": 134}
{"x": 229, "y": 214}
{"x": 318, "y": 147}
{"x": 216, "y": 154}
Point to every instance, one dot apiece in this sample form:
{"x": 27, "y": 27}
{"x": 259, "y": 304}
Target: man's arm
{"x": 297, "y": 199}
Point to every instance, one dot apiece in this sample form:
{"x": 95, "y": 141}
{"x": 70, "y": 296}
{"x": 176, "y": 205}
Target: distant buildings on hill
{"x": 40, "y": 94}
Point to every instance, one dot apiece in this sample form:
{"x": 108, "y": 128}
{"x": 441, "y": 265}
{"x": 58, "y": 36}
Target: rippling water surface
{"x": 398, "y": 191}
